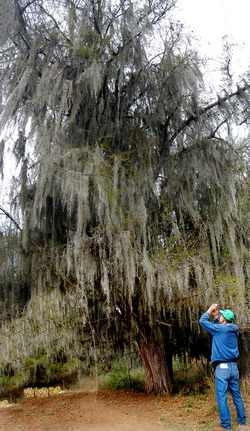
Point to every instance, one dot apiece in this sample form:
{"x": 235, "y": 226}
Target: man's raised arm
{"x": 210, "y": 327}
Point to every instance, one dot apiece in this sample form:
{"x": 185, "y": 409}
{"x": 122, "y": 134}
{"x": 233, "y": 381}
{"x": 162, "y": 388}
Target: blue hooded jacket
{"x": 224, "y": 341}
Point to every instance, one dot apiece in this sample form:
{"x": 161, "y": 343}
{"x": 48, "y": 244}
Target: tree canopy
{"x": 132, "y": 191}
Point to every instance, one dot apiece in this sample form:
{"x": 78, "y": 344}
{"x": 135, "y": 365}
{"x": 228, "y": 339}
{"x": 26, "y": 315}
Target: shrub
{"x": 12, "y": 386}
{"x": 191, "y": 378}
{"x": 121, "y": 377}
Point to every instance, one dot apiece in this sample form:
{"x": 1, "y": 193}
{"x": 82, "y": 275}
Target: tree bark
{"x": 244, "y": 362}
{"x": 158, "y": 374}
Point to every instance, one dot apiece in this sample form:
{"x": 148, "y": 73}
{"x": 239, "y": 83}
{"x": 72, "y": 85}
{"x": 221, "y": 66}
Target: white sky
{"x": 211, "y": 20}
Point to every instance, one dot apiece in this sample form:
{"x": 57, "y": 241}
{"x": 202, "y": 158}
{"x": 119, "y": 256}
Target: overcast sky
{"x": 212, "y": 20}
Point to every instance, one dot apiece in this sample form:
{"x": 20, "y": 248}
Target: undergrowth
{"x": 121, "y": 376}
{"x": 192, "y": 378}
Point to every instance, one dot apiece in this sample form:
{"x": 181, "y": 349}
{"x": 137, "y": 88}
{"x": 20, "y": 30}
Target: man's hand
{"x": 213, "y": 310}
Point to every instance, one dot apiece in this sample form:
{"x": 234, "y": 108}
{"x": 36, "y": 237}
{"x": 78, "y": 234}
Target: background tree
{"x": 130, "y": 213}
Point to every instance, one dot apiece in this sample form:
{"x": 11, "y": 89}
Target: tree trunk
{"x": 244, "y": 362}
{"x": 158, "y": 374}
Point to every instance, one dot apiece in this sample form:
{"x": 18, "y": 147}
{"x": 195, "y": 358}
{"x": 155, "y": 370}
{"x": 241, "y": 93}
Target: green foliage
{"x": 191, "y": 378}
{"x": 39, "y": 371}
{"x": 12, "y": 382}
{"x": 121, "y": 377}
{"x": 31, "y": 363}
{"x": 13, "y": 385}
{"x": 86, "y": 52}
{"x": 61, "y": 372}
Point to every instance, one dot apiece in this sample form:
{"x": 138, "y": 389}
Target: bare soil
{"x": 110, "y": 411}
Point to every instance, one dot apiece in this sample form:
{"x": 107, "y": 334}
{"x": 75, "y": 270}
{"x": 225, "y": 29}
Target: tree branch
{"x": 56, "y": 24}
{"x": 27, "y": 5}
{"x": 195, "y": 117}
{"x": 11, "y": 218}
{"x": 23, "y": 30}
{"x": 213, "y": 133}
{"x": 96, "y": 18}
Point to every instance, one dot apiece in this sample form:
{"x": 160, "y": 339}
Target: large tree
{"x": 129, "y": 182}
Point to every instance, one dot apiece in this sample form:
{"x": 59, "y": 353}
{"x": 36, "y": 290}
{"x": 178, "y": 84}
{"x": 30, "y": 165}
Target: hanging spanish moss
{"x": 130, "y": 210}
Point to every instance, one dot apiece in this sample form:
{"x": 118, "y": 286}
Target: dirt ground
{"x": 110, "y": 411}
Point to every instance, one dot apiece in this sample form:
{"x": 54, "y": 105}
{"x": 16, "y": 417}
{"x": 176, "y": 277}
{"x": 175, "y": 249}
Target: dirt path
{"x": 109, "y": 411}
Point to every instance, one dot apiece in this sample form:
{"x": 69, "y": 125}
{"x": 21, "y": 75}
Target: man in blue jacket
{"x": 224, "y": 357}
